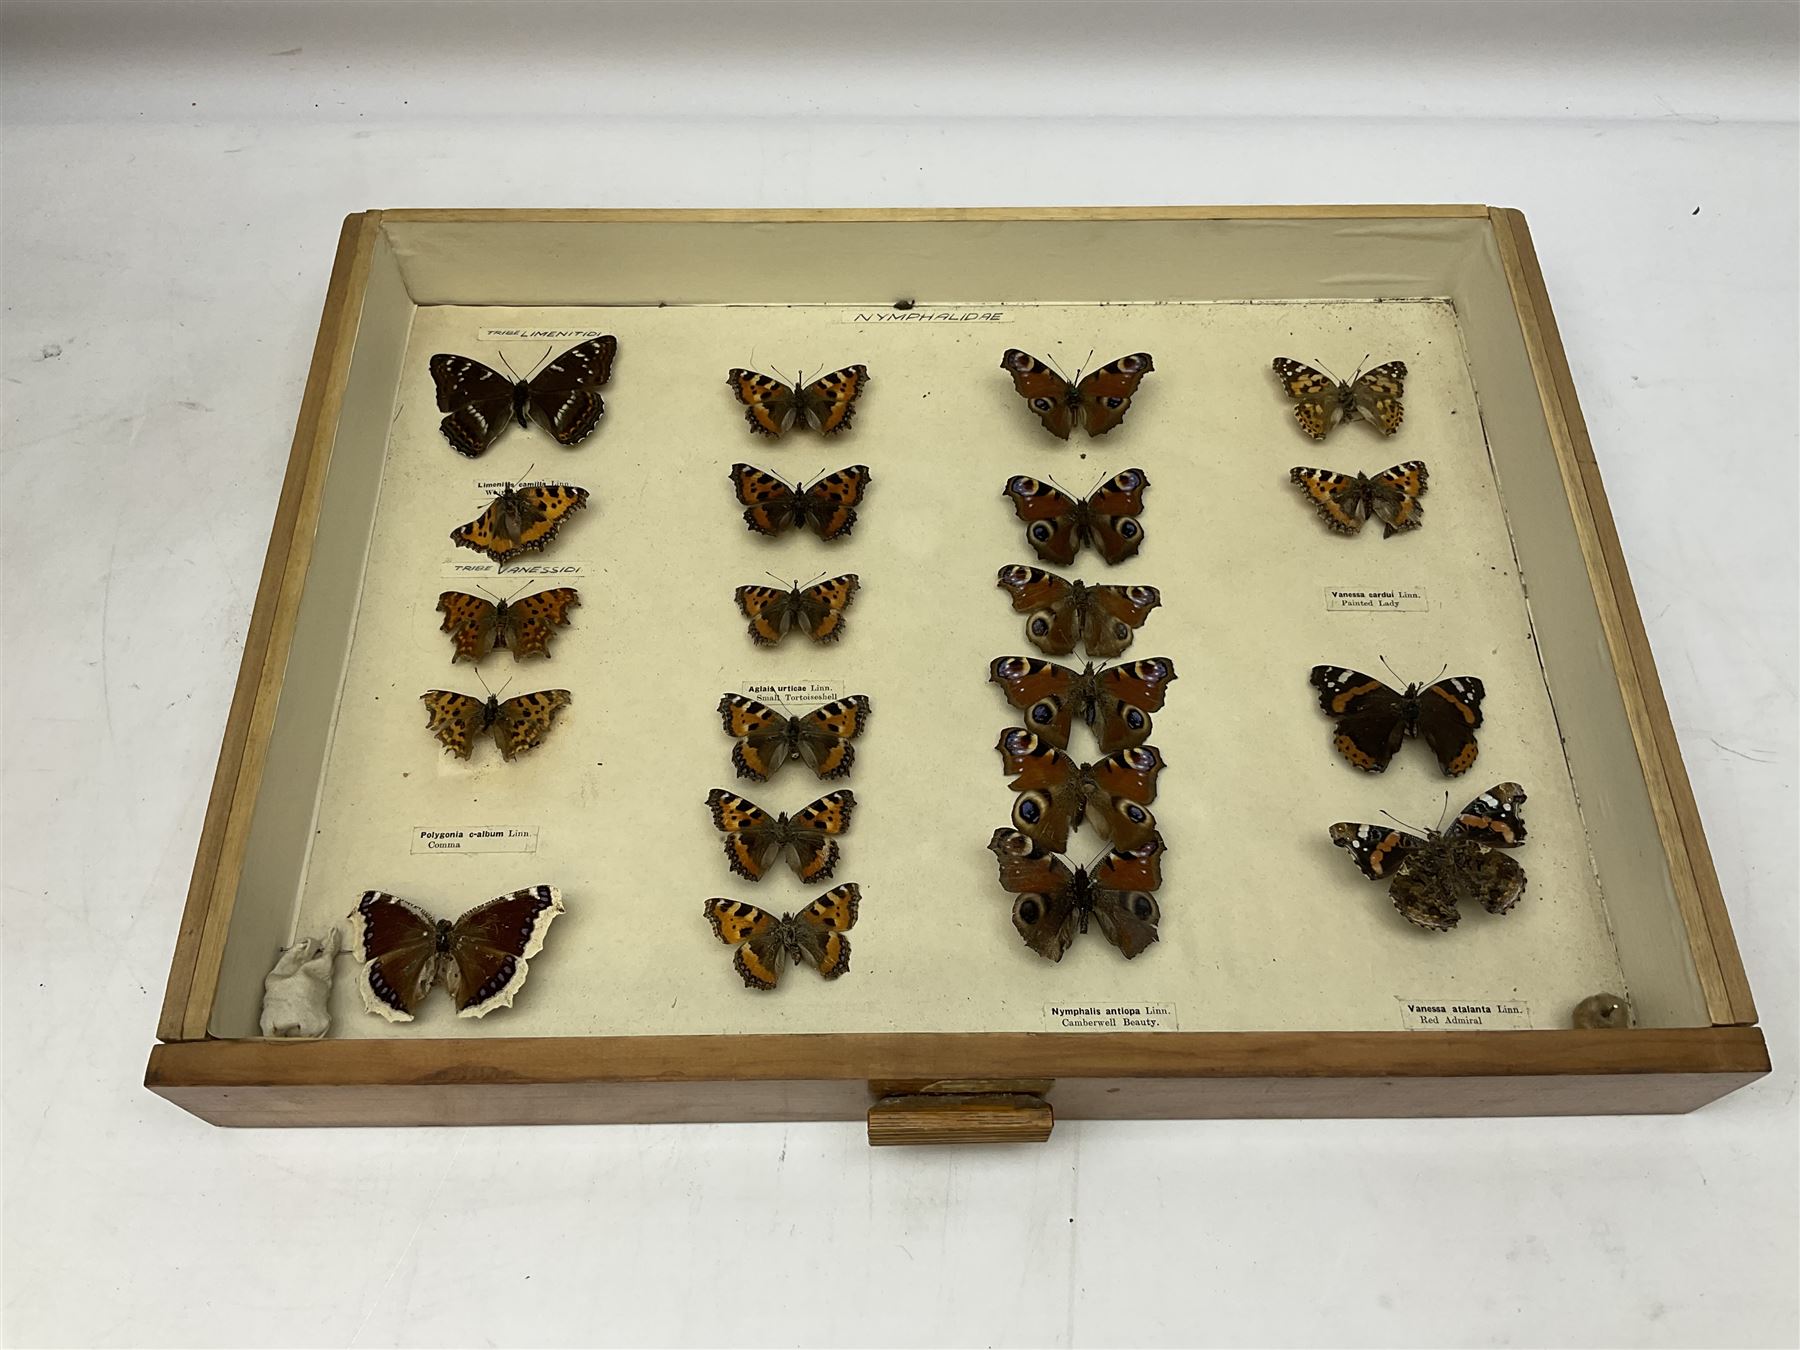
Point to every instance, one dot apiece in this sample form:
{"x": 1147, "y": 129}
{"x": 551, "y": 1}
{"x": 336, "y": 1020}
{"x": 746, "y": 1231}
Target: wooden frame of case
{"x": 934, "y": 1087}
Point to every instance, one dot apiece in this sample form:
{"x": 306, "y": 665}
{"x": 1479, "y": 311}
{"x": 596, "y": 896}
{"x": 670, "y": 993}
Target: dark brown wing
{"x": 490, "y": 944}
{"x": 1045, "y": 392}
{"x": 1371, "y": 718}
{"x": 478, "y": 399}
{"x": 1106, "y": 394}
{"x": 397, "y": 943}
{"x": 1449, "y": 713}
{"x": 564, "y": 397}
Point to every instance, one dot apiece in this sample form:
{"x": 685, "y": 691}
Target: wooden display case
{"x": 1284, "y": 984}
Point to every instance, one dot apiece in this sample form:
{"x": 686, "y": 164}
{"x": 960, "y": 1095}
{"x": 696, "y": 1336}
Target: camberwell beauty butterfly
{"x": 825, "y": 405}
{"x": 519, "y": 724}
{"x": 1373, "y": 720}
{"x": 815, "y": 935}
{"x": 754, "y": 839}
{"x": 828, "y": 507}
{"x": 1115, "y": 701}
{"x": 1055, "y": 903}
{"x": 820, "y": 739}
{"x": 1430, "y": 877}
{"x": 1321, "y": 402}
{"x": 563, "y": 398}
{"x": 524, "y": 627}
{"x": 1066, "y": 612}
{"x": 818, "y": 611}
{"x": 1345, "y": 502}
{"x": 519, "y": 520}
{"x": 1056, "y": 524}
{"x": 480, "y": 958}
{"x": 1098, "y": 402}
{"x": 1056, "y": 794}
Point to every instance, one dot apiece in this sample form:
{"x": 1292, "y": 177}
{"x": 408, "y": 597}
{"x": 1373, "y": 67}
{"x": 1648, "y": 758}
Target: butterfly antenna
{"x": 1359, "y": 367}
{"x": 483, "y": 681}
{"x": 509, "y": 367}
{"x": 1390, "y": 669}
{"x": 1443, "y": 670}
{"x": 1084, "y": 366}
{"x": 1444, "y": 814}
{"x": 1327, "y": 369}
{"x": 1407, "y": 823}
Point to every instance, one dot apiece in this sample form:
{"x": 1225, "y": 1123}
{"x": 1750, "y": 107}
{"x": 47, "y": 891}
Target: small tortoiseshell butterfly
{"x": 814, "y": 936}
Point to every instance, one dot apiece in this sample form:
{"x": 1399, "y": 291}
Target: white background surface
{"x": 173, "y": 180}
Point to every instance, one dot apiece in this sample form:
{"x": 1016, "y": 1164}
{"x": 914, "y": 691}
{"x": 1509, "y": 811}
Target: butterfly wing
{"x": 1114, "y": 614}
{"x": 770, "y": 611}
{"x": 1449, "y": 713}
{"x": 1043, "y": 689}
{"x": 830, "y": 503}
{"x": 1048, "y": 784}
{"x": 397, "y": 943}
{"x": 751, "y": 841}
{"x": 1124, "y": 907}
{"x": 761, "y": 957}
{"x": 1044, "y": 911}
{"x": 455, "y": 719}
{"x": 762, "y": 746}
{"x": 829, "y": 401}
{"x": 564, "y": 397}
{"x": 1052, "y": 526}
{"x": 470, "y": 622}
{"x": 1339, "y": 498}
{"x": 1377, "y": 850}
{"x": 814, "y": 851}
{"x": 1050, "y": 601}
{"x": 1126, "y": 695}
{"x": 478, "y": 399}
{"x": 826, "y": 733}
{"x": 1317, "y": 401}
{"x": 1494, "y": 818}
{"x": 819, "y": 929}
{"x": 523, "y": 723}
{"x": 769, "y": 405}
{"x": 1393, "y": 497}
{"x": 1106, "y": 393}
{"x": 1045, "y": 392}
{"x": 769, "y": 503}
{"x": 1119, "y": 790}
{"x": 491, "y": 944}
{"x": 1371, "y": 718}
{"x": 1112, "y": 511}
{"x": 822, "y": 607}
{"x": 1377, "y": 394}
{"x": 531, "y": 622}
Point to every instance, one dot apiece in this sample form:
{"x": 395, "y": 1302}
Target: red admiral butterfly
{"x": 1433, "y": 875}
{"x": 1373, "y": 720}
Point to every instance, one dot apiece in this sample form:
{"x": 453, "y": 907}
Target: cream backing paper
{"x": 1265, "y": 924}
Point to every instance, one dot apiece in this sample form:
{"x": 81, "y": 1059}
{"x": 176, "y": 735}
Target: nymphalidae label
{"x": 794, "y": 693}
{"x": 568, "y": 335}
{"x": 1106, "y": 1015}
{"x": 475, "y": 839}
{"x": 938, "y": 316}
{"x": 1464, "y": 1014}
{"x": 1374, "y": 599}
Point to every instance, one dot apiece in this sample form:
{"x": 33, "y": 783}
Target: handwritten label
{"x": 455, "y": 569}
{"x": 1152, "y": 1016}
{"x": 539, "y": 334}
{"x": 1374, "y": 600}
{"x": 1464, "y": 1014}
{"x": 793, "y": 691}
{"x": 477, "y": 839}
{"x": 925, "y": 314}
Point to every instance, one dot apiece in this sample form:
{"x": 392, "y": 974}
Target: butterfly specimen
{"x": 1373, "y": 720}
{"x": 1055, "y": 903}
{"x": 519, "y": 724}
{"x": 1098, "y": 402}
{"x": 818, "y": 611}
{"x": 1056, "y": 524}
{"x": 523, "y": 627}
{"x": 825, "y": 405}
{"x": 754, "y": 839}
{"x": 1066, "y": 612}
{"x": 1056, "y": 794}
{"x": 768, "y": 739}
{"x": 1116, "y": 701}
{"x": 520, "y": 519}
{"x": 1321, "y": 402}
{"x": 814, "y": 936}
{"x": 828, "y": 507}
{"x": 563, "y": 398}
{"x": 1345, "y": 502}
{"x": 1428, "y": 878}
{"x": 480, "y": 958}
